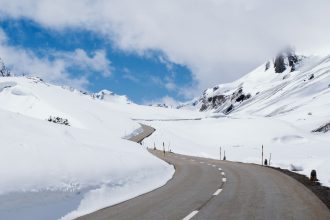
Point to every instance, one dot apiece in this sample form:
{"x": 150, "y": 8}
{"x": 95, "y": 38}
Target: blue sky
{"x": 142, "y": 77}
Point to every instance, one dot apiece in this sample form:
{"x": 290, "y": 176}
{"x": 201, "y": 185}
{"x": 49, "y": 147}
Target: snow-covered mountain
{"x": 109, "y": 96}
{"x": 280, "y": 85}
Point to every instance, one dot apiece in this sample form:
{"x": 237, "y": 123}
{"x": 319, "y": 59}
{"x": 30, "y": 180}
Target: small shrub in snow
{"x": 59, "y": 120}
{"x": 4, "y": 71}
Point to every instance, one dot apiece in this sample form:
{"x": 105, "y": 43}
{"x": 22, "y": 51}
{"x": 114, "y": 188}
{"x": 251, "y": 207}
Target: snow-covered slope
{"x": 77, "y": 162}
{"x": 265, "y": 92}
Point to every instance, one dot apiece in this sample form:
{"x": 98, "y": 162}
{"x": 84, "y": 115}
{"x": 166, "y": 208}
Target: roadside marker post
{"x": 220, "y": 153}
{"x": 262, "y": 155}
{"x": 164, "y": 148}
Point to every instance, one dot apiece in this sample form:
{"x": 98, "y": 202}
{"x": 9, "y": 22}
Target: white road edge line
{"x": 224, "y": 179}
{"x": 192, "y": 214}
{"x": 217, "y": 192}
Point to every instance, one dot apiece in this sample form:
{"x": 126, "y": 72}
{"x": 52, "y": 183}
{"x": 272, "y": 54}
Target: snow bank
{"x": 49, "y": 170}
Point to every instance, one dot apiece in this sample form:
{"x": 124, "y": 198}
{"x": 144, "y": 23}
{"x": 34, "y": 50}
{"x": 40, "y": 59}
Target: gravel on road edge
{"x": 320, "y": 191}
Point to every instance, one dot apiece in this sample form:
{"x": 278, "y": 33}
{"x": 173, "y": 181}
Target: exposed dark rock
{"x": 222, "y": 102}
{"x": 229, "y": 109}
{"x": 293, "y": 60}
{"x": 267, "y": 66}
{"x": 311, "y": 77}
{"x": 203, "y": 107}
{"x": 324, "y": 128}
{"x": 243, "y": 97}
{"x": 59, "y": 120}
{"x": 286, "y": 59}
{"x": 279, "y": 64}
{"x": 218, "y": 100}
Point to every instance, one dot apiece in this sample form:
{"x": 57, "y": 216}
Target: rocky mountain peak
{"x": 286, "y": 60}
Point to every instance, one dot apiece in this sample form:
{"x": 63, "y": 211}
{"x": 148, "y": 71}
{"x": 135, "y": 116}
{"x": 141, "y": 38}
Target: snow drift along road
{"x": 88, "y": 160}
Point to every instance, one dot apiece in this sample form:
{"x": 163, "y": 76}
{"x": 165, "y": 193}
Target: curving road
{"x": 211, "y": 189}
{"x": 147, "y": 131}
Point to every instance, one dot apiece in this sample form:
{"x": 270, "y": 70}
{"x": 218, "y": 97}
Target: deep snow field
{"x": 53, "y": 171}
{"x": 48, "y": 170}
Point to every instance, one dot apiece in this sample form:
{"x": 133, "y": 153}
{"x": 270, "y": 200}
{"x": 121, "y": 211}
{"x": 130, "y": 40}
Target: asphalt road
{"x": 211, "y": 189}
{"x": 147, "y": 131}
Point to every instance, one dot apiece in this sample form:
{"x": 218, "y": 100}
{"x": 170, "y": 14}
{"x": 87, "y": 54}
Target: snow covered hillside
{"x": 267, "y": 92}
{"x": 57, "y": 168}
{"x": 284, "y": 105}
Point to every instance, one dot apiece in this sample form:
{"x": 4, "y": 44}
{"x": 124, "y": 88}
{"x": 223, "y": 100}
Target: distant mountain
{"x": 109, "y": 96}
{"x": 281, "y": 85}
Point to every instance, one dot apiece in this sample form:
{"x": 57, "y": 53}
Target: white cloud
{"x": 167, "y": 83}
{"x": 170, "y": 86}
{"x": 97, "y": 62}
{"x": 24, "y": 61}
{"x": 218, "y": 40}
{"x": 167, "y": 100}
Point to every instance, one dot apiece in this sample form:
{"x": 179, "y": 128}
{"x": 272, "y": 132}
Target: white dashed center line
{"x": 217, "y": 192}
{"x": 224, "y": 180}
{"x": 213, "y": 165}
{"x": 192, "y": 214}
{"x": 220, "y": 169}
{"x": 223, "y": 173}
